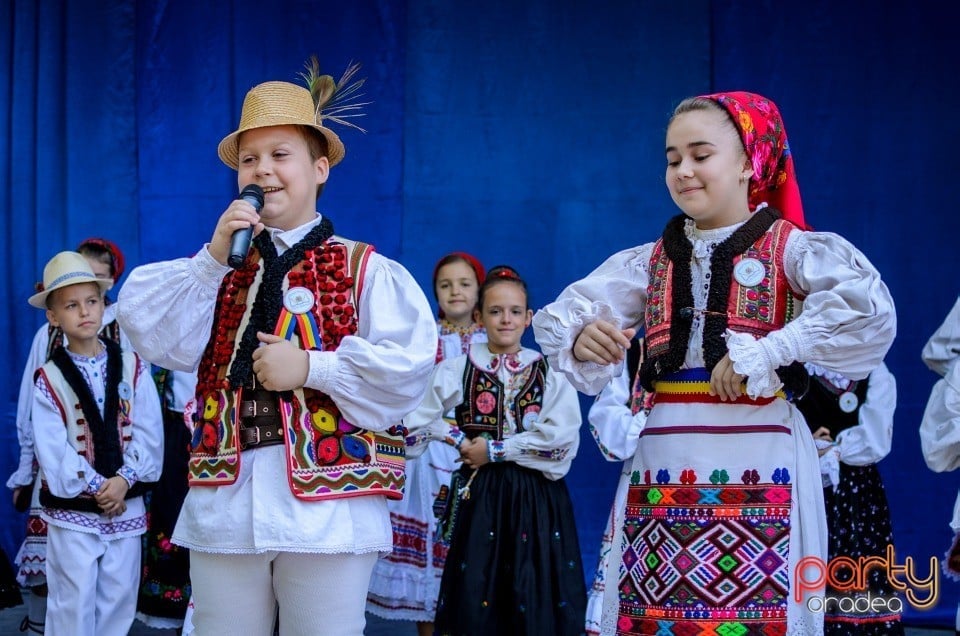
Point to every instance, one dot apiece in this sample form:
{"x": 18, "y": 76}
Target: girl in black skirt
{"x": 853, "y": 425}
{"x": 514, "y": 561}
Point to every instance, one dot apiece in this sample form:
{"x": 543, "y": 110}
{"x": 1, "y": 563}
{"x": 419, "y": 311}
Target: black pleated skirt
{"x": 514, "y": 561}
{"x": 858, "y": 522}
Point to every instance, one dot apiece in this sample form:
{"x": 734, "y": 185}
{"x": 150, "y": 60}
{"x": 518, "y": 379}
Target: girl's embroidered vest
{"x": 757, "y": 309}
{"x": 79, "y": 433}
{"x": 327, "y": 456}
{"x": 483, "y": 411}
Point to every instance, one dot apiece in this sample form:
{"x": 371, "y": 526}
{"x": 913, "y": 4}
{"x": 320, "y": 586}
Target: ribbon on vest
{"x": 304, "y": 324}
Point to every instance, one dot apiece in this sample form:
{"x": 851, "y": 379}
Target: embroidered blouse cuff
{"x": 93, "y": 486}
{"x": 751, "y": 359}
{"x": 208, "y": 271}
{"x": 594, "y": 376}
{"x": 495, "y": 451}
{"x": 454, "y": 437}
{"x": 129, "y": 475}
{"x": 322, "y": 372}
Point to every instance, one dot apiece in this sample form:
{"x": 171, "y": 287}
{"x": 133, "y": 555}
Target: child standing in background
{"x": 852, "y": 423}
{"x": 309, "y": 355}
{"x": 165, "y": 581}
{"x": 405, "y": 583}
{"x": 615, "y": 420}
{"x": 940, "y": 427}
{"x": 514, "y": 561}
{"x": 99, "y": 440}
{"x": 719, "y": 297}
{"x": 107, "y": 263}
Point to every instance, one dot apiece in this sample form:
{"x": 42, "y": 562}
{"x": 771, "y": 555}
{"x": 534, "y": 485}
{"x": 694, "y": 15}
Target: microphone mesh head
{"x": 253, "y": 194}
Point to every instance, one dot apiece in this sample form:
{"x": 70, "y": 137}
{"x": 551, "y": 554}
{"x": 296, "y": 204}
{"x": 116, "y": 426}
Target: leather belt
{"x": 258, "y": 408}
{"x": 260, "y": 422}
{"x": 252, "y": 436}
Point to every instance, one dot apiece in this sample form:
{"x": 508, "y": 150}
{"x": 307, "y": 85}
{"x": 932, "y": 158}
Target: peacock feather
{"x": 335, "y": 101}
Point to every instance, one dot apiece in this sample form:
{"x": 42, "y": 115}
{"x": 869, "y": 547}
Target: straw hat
{"x": 63, "y": 270}
{"x": 278, "y": 104}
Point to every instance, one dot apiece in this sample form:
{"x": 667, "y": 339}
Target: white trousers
{"x": 318, "y": 594}
{"x": 92, "y": 583}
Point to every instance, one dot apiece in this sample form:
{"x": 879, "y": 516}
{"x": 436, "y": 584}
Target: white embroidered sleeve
{"x": 167, "y": 309}
{"x": 616, "y": 292}
{"x": 848, "y": 320}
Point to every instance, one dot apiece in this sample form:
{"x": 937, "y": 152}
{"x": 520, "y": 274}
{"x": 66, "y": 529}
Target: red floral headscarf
{"x": 764, "y": 137}
{"x": 116, "y": 255}
{"x": 452, "y": 257}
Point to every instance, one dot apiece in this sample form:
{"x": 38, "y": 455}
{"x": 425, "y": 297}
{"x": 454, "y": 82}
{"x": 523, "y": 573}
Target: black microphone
{"x": 240, "y": 241}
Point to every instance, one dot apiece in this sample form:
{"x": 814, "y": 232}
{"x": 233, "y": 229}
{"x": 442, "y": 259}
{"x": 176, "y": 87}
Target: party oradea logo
{"x": 842, "y": 584}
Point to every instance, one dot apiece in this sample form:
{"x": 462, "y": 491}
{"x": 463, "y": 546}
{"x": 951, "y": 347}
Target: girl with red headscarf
{"x": 405, "y": 583}
{"x": 725, "y": 497}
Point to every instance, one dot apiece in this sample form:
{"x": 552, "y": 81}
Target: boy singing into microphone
{"x": 309, "y": 356}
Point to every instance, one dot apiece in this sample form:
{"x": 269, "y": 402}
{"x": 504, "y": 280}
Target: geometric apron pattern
{"x": 706, "y": 560}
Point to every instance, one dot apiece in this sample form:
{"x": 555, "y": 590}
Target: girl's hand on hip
{"x": 724, "y": 381}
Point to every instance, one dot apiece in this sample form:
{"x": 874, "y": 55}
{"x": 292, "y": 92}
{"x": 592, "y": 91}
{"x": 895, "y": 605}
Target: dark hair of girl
{"x": 501, "y": 274}
{"x": 454, "y": 257}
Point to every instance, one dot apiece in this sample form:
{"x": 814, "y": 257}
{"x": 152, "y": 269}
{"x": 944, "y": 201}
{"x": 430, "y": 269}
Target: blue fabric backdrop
{"x": 529, "y": 133}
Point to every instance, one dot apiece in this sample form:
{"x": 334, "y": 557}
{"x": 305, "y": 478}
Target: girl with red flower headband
{"x": 732, "y": 299}
{"x": 406, "y": 582}
{"x": 514, "y": 565}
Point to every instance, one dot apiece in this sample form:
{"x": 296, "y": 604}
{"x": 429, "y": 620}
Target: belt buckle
{"x": 249, "y": 408}
{"x": 250, "y": 436}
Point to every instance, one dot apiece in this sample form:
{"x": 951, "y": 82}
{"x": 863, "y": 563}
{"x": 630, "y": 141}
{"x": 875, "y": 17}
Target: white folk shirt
{"x": 940, "y": 427}
{"x": 375, "y": 377}
{"x": 548, "y": 442}
{"x": 846, "y": 325}
{"x": 24, "y": 473}
{"x": 68, "y": 473}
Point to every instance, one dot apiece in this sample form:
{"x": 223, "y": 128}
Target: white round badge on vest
{"x": 849, "y": 402}
{"x": 124, "y": 391}
{"x": 749, "y": 272}
{"x": 298, "y": 300}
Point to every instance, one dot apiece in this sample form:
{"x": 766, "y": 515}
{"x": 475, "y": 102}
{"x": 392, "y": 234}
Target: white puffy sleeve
{"x": 550, "y": 441}
{"x": 848, "y": 320}
{"x": 615, "y": 429}
{"x": 616, "y": 292}
{"x": 24, "y": 473}
{"x": 943, "y": 348}
{"x": 378, "y": 376}
{"x": 166, "y": 309}
{"x": 427, "y": 424}
{"x": 940, "y": 426}
{"x": 144, "y": 454}
{"x": 871, "y": 440}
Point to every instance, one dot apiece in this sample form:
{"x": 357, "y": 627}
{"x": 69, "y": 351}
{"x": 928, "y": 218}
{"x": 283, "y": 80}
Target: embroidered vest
{"x": 757, "y": 309}
{"x": 327, "y": 456}
{"x": 821, "y": 405}
{"x": 81, "y": 434}
{"x": 483, "y": 411}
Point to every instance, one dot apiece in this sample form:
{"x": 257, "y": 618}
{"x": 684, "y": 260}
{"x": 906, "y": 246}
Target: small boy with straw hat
{"x": 98, "y": 436}
{"x": 309, "y": 355}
